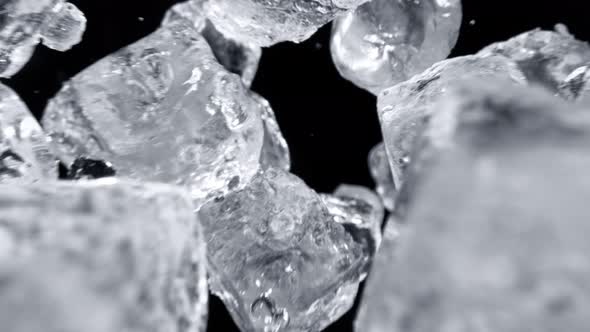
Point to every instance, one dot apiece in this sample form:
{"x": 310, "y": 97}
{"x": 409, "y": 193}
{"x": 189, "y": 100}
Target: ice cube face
{"x": 277, "y": 258}
{"x": 405, "y": 108}
{"x": 497, "y": 230}
{"x": 24, "y": 23}
{"x": 25, "y": 155}
{"x": 237, "y": 57}
{"x": 553, "y": 59}
{"x": 264, "y": 23}
{"x": 385, "y": 42}
{"x": 381, "y": 173}
{"x": 361, "y": 213}
{"x": 275, "y": 151}
{"x": 124, "y": 256}
{"x": 162, "y": 110}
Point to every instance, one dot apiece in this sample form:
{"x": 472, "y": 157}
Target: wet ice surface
{"x": 405, "y": 108}
{"x": 264, "y": 23}
{"x": 25, "y": 155}
{"x": 25, "y": 23}
{"x": 496, "y": 235}
{"x": 100, "y": 256}
{"x": 277, "y": 258}
{"x": 163, "y": 110}
{"x": 385, "y": 42}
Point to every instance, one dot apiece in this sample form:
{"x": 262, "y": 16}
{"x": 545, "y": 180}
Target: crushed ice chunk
{"x": 264, "y": 23}
{"x": 24, "y": 23}
{"x": 24, "y": 148}
{"x": 361, "y": 213}
{"x": 162, "y": 110}
{"x": 381, "y": 173}
{"x": 497, "y": 228}
{"x": 64, "y": 28}
{"x": 277, "y": 259}
{"x": 237, "y": 57}
{"x": 385, "y": 42}
{"x": 405, "y": 108}
{"x": 555, "y": 60}
{"x": 100, "y": 256}
{"x": 86, "y": 168}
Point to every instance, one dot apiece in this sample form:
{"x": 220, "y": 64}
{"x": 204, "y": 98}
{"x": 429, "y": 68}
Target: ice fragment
{"x": 405, "y": 108}
{"x": 277, "y": 258}
{"x": 237, "y": 57}
{"x": 162, "y": 110}
{"x": 497, "y": 230}
{"x": 264, "y": 22}
{"x": 25, "y": 155}
{"x": 553, "y": 59}
{"x": 385, "y": 42}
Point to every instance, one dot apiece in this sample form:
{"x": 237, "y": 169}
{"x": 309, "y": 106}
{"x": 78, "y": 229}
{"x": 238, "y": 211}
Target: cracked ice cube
{"x": 24, "y": 23}
{"x": 265, "y": 23}
{"x": 100, "y": 256}
{"x": 385, "y": 42}
{"x": 24, "y": 148}
{"x": 237, "y": 57}
{"x": 405, "y": 108}
{"x": 162, "y": 110}
{"x": 497, "y": 228}
{"x": 277, "y": 258}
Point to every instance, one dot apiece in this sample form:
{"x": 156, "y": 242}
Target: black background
{"x": 330, "y": 124}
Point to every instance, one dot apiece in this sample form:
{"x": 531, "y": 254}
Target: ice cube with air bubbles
{"x": 278, "y": 259}
{"x": 162, "y": 109}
